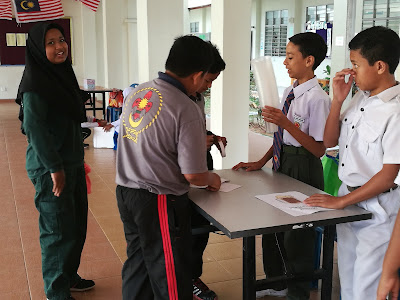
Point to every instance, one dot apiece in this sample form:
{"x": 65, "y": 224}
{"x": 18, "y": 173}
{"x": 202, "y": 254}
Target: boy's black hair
{"x": 310, "y": 43}
{"x": 189, "y": 54}
{"x": 378, "y": 43}
{"x": 219, "y": 63}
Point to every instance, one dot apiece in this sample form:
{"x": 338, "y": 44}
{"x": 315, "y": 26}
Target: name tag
{"x": 298, "y": 121}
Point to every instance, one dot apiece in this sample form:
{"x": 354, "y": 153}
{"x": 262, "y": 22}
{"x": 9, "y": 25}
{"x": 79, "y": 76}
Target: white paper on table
{"x": 266, "y": 85}
{"x": 291, "y": 203}
{"x": 228, "y": 187}
{"x": 204, "y": 186}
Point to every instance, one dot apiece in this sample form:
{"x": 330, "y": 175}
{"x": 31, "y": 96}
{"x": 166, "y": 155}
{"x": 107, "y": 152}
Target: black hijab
{"x": 56, "y": 83}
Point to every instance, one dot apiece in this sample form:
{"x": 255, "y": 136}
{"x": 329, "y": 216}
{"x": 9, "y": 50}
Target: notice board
{"x": 12, "y": 44}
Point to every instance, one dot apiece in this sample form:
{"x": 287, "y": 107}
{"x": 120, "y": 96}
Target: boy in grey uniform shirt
{"x": 160, "y": 153}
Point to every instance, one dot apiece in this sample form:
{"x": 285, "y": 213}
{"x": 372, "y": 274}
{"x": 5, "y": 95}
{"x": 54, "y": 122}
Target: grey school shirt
{"x": 162, "y": 137}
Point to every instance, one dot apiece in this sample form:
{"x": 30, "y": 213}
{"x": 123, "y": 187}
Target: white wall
{"x": 95, "y": 51}
{"x": 297, "y": 15}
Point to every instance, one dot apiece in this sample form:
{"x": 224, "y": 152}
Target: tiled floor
{"x": 104, "y": 252}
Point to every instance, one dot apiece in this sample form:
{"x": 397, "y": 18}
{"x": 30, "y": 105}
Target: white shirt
{"x": 369, "y": 135}
{"x": 308, "y": 110}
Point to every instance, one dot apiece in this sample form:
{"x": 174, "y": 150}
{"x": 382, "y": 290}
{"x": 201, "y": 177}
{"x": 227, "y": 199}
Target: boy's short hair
{"x": 189, "y": 54}
{"x": 219, "y": 64}
{"x": 378, "y": 43}
{"x": 310, "y": 43}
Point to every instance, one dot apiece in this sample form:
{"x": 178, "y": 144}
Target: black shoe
{"x": 82, "y": 285}
{"x": 201, "y": 291}
{"x": 85, "y": 145}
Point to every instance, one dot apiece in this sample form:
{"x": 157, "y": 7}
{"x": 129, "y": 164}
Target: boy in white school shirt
{"x": 296, "y": 153}
{"x": 368, "y": 134}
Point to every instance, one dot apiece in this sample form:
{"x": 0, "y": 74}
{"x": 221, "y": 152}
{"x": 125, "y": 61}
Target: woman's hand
{"x": 58, "y": 182}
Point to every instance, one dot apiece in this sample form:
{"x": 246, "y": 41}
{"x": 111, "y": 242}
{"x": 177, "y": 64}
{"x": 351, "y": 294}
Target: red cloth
{"x": 5, "y": 10}
{"x": 92, "y": 4}
{"x": 88, "y": 182}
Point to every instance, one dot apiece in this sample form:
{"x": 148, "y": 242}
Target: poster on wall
{"x": 11, "y": 39}
{"x": 324, "y": 29}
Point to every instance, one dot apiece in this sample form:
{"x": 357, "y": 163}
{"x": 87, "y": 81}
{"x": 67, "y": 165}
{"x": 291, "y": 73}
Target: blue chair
{"x": 113, "y": 113}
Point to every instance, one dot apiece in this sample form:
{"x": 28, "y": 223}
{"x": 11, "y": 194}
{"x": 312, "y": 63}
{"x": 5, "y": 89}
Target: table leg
{"x": 249, "y": 268}
{"x": 94, "y": 104}
{"x": 327, "y": 261}
{"x": 104, "y": 105}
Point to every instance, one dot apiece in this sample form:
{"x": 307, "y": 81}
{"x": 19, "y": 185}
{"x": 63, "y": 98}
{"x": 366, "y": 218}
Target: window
{"x": 194, "y": 27}
{"x": 275, "y": 32}
{"x": 381, "y": 13}
{"x": 323, "y": 13}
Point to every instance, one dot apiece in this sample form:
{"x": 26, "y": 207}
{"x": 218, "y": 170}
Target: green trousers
{"x": 293, "y": 251}
{"x": 62, "y": 227}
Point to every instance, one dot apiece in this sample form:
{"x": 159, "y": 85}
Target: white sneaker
{"x": 271, "y": 292}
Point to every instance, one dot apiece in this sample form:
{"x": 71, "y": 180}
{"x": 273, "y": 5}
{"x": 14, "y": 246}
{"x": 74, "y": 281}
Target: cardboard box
{"x": 102, "y": 139}
{"x": 89, "y": 84}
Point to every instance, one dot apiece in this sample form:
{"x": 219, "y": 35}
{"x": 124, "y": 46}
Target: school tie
{"x": 278, "y": 136}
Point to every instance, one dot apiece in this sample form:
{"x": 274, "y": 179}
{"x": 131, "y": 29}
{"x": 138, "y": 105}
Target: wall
{"x": 96, "y": 51}
{"x": 297, "y": 18}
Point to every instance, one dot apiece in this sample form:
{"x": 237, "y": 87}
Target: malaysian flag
{"x": 37, "y": 10}
{"x": 5, "y": 9}
{"x": 92, "y": 4}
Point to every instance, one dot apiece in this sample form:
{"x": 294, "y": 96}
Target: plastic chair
{"x": 113, "y": 113}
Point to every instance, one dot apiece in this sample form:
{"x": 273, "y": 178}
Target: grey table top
{"x": 239, "y": 214}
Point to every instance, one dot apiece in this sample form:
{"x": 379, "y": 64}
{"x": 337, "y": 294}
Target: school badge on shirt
{"x": 298, "y": 121}
{"x": 140, "y": 111}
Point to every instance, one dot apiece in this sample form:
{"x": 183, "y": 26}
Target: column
{"x": 159, "y": 22}
{"x": 230, "y": 24}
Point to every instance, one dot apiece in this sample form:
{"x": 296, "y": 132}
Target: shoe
{"x": 201, "y": 291}
{"x": 82, "y": 285}
{"x": 68, "y": 298}
{"x": 271, "y": 292}
{"x": 85, "y": 146}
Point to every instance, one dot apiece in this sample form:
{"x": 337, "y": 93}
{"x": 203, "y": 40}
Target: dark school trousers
{"x": 158, "y": 235}
{"x": 62, "y": 228}
{"x": 199, "y": 241}
{"x": 86, "y": 132}
{"x": 296, "y": 246}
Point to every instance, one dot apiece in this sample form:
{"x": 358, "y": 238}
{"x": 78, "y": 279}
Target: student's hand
{"x": 275, "y": 116}
{"x": 323, "y": 200}
{"x": 389, "y": 283}
{"x": 341, "y": 88}
{"x": 209, "y": 141}
{"x": 102, "y": 123}
{"x": 222, "y": 139}
{"x": 214, "y": 182}
{"x": 58, "y": 179}
{"x": 108, "y": 127}
{"x": 250, "y": 166}
{"x": 218, "y": 138}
